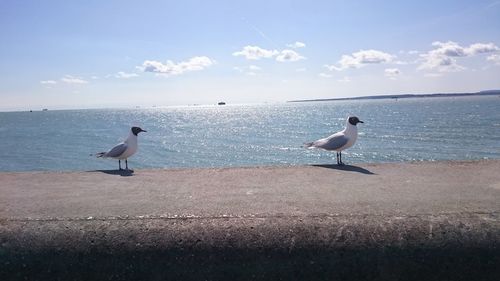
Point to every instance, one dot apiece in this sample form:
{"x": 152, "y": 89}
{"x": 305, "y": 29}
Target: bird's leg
{"x": 126, "y": 164}
{"x": 338, "y": 163}
{"x": 340, "y": 154}
{"x": 119, "y": 164}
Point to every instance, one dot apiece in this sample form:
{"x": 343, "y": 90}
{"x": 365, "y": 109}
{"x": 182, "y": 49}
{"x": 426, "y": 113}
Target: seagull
{"x": 339, "y": 141}
{"x": 124, "y": 149}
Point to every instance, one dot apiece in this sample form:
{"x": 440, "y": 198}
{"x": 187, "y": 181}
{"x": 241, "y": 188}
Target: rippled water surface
{"x": 250, "y": 135}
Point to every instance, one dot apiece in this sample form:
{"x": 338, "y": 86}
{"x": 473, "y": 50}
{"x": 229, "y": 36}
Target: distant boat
{"x": 221, "y": 103}
{"x": 45, "y": 109}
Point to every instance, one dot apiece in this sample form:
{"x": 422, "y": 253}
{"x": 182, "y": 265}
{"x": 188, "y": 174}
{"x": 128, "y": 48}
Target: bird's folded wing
{"x": 117, "y": 150}
{"x": 331, "y": 143}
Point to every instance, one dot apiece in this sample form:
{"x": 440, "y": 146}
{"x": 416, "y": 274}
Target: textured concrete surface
{"x": 404, "y": 221}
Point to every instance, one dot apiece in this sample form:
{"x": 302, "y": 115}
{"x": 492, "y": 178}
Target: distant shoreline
{"x": 406, "y": 96}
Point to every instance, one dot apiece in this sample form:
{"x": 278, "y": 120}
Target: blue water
{"x": 425, "y": 129}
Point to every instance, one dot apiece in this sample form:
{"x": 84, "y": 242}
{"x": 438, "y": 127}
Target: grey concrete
{"x": 411, "y": 221}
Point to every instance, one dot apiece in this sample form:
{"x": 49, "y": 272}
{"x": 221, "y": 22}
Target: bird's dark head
{"x": 353, "y": 120}
{"x": 136, "y": 130}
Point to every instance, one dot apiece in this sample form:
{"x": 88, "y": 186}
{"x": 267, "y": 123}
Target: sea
{"x": 394, "y": 130}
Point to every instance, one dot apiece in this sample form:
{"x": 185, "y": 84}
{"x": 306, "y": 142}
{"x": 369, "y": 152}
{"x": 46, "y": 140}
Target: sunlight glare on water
{"x": 425, "y": 129}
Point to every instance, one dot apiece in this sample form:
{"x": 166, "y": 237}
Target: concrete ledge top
{"x": 397, "y": 189}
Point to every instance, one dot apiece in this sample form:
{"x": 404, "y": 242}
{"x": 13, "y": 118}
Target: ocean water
{"x": 423, "y": 129}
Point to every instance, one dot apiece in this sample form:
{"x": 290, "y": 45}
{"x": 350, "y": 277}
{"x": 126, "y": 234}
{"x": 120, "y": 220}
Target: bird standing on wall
{"x": 125, "y": 149}
{"x": 339, "y": 141}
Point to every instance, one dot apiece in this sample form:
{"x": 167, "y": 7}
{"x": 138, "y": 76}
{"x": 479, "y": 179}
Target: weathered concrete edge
{"x": 320, "y": 229}
{"x": 464, "y": 246}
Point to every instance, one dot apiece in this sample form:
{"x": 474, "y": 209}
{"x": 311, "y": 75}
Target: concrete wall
{"x": 41, "y": 240}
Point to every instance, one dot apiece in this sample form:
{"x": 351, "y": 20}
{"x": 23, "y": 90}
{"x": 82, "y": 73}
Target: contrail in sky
{"x": 262, "y": 34}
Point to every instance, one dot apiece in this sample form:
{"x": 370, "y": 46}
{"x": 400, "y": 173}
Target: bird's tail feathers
{"x": 309, "y": 144}
{"x": 100, "y": 154}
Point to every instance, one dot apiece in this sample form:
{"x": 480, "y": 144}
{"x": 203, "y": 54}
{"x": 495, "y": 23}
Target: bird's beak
{"x": 143, "y": 130}
{"x": 361, "y": 121}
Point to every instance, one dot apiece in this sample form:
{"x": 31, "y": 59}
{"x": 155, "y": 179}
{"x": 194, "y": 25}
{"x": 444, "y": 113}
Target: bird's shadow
{"x": 123, "y": 173}
{"x": 348, "y": 168}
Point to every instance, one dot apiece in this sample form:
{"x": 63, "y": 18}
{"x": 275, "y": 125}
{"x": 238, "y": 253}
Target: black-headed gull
{"x": 339, "y": 141}
{"x": 124, "y": 149}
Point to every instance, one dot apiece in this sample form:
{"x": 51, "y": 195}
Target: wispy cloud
{"x": 392, "y": 73}
{"x": 345, "y": 79}
{"x": 172, "y": 68}
{"x": 251, "y": 70}
{"x": 124, "y": 75}
{"x": 494, "y": 58}
{"x": 68, "y": 79}
{"x": 254, "y": 67}
{"x": 325, "y": 75}
{"x": 360, "y": 59}
{"x": 296, "y": 45}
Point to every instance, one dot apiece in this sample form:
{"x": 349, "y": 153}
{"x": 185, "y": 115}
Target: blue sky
{"x": 81, "y": 54}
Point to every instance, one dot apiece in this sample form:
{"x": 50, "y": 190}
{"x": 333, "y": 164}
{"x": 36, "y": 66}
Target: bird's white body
{"x": 131, "y": 149}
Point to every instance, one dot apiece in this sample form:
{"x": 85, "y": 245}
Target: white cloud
{"x": 48, "y": 82}
{"x": 171, "y": 68}
{"x": 443, "y": 57}
{"x": 124, "y": 75}
{"x": 481, "y": 48}
{"x": 450, "y": 49}
{"x": 440, "y": 63}
{"x": 494, "y": 58}
{"x": 73, "y": 80}
{"x": 289, "y": 55}
{"x": 303, "y": 69}
{"x": 392, "y": 72}
{"x": 360, "y": 59}
{"x": 296, "y": 45}
{"x": 255, "y": 53}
